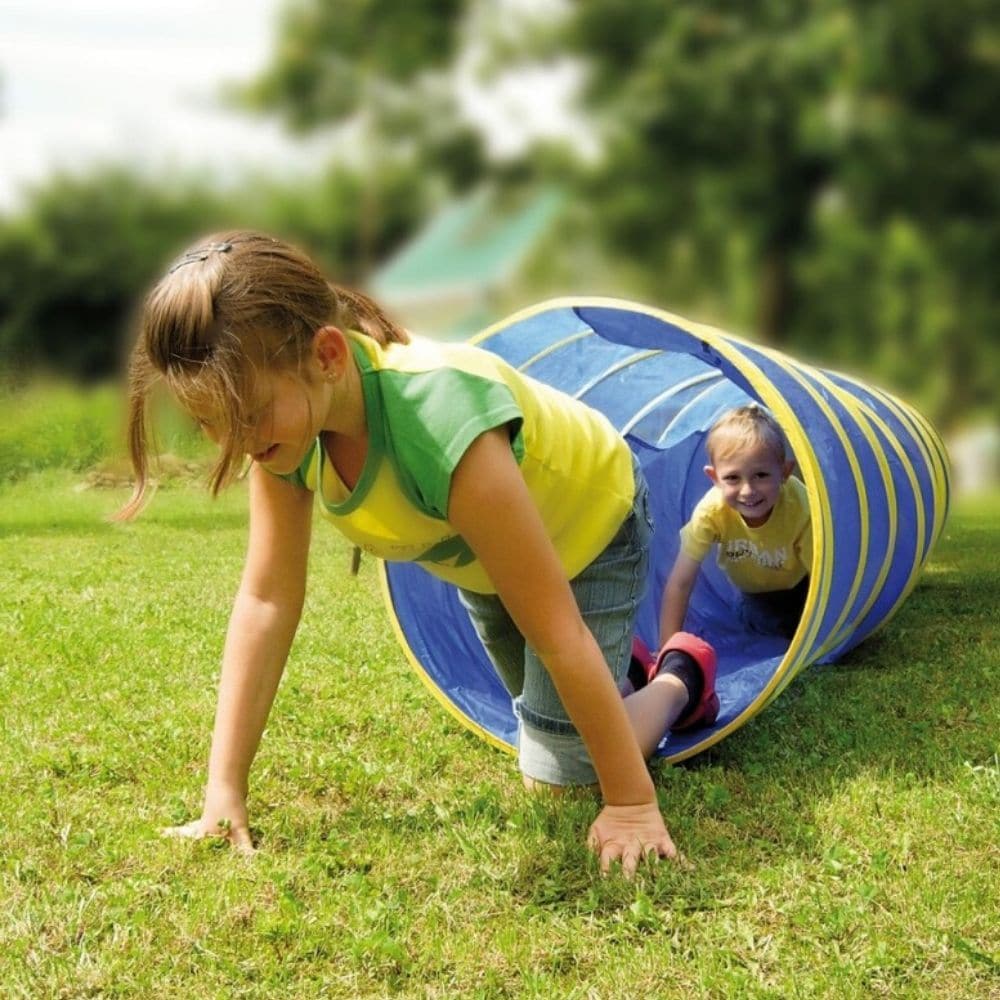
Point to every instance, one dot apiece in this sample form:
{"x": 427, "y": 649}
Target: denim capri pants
{"x": 608, "y": 593}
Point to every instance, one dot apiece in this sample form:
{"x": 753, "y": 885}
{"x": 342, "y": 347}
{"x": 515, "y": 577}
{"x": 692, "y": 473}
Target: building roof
{"x": 474, "y": 245}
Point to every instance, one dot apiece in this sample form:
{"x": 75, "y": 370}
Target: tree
{"x": 806, "y": 167}
{"x": 377, "y": 63}
{"x": 73, "y": 265}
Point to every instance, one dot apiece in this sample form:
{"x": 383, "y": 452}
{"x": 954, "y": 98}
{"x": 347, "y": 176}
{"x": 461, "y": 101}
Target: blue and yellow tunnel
{"x": 875, "y": 470}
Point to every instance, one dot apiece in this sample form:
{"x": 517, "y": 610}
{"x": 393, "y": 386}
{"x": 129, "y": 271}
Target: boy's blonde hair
{"x": 743, "y": 428}
{"x": 234, "y": 304}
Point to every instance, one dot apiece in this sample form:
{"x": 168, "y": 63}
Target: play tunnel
{"x": 875, "y": 471}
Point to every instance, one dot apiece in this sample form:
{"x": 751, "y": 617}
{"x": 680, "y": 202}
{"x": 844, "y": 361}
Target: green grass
{"x": 844, "y": 843}
{"x": 61, "y": 425}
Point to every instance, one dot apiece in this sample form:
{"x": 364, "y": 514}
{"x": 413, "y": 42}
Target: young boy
{"x": 758, "y": 515}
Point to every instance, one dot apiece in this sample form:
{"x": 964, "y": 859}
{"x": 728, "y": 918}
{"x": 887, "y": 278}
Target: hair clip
{"x": 201, "y": 254}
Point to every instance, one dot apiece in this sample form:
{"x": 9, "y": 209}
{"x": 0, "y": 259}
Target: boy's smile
{"x": 750, "y": 482}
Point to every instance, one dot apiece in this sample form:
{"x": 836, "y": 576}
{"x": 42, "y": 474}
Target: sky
{"x": 137, "y": 81}
{"x": 120, "y": 80}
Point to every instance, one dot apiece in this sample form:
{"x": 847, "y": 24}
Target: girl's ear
{"x": 331, "y": 351}
{"x": 786, "y": 470}
{"x": 712, "y": 474}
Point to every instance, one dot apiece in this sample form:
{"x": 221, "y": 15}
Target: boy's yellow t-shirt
{"x": 775, "y": 556}
{"x": 425, "y": 403}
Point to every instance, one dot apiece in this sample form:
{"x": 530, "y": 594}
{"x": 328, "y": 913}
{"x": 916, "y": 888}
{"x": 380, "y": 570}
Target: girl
{"x": 527, "y": 500}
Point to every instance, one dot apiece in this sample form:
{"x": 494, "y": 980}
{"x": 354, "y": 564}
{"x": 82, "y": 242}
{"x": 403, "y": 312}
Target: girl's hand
{"x": 224, "y": 815}
{"x": 629, "y": 834}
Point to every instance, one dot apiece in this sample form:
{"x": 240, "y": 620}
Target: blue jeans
{"x": 775, "y": 612}
{"x": 608, "y": 593}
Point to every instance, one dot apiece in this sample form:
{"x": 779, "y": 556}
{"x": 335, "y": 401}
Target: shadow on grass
{"x": 915, "y": 699}
{"x": 97, "y": 526}
{"x": 912, "y": 700}
{"x": 964, "y": 593}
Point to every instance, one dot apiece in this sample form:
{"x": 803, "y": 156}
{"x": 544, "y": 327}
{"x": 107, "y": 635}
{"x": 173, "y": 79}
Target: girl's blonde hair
{"x": 235, "y": 303}
{"x": 743, "y": 428}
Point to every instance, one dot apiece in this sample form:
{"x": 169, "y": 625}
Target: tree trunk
{"x": 774, "y": 304}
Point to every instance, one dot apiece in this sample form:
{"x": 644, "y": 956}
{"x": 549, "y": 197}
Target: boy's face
{"x": 749, "y": 481}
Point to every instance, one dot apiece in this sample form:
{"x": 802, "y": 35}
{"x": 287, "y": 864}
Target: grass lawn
{"x": 845, "y": 843}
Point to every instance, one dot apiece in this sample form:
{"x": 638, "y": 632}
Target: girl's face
{"x": 289, "y": 408}
{"x": 750, "y": 481}
{"x": 285, "y": 417}
{"x": 288, "y": 417}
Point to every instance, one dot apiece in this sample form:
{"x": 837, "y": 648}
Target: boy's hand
{"x": 224, "y": 815}
{"x": 629, "y": 834}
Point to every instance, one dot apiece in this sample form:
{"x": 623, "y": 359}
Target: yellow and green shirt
{"x": 775, "y": 556}
{"x": 425, "y": 403}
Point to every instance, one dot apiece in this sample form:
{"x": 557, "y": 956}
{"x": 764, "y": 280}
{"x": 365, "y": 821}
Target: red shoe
{"x": 640, "y": 664}
{"x": 642, "y": 655}
{"x": 707, "y": 709}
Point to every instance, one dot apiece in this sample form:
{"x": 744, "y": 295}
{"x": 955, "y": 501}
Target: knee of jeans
{"x": 543, "y": 723}
{"x": 554, "y": 759}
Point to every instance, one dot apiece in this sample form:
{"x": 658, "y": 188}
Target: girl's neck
{"x": 344, "y": 436}
{"x": 347, "y": 455}
{"x": 346, "y": 415}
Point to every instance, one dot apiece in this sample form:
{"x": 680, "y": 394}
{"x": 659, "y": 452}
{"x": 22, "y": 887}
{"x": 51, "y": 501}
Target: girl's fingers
{"x": 665, "y": 849}
{"x": 630, "y": 861}
{"x": 633, "y": 854}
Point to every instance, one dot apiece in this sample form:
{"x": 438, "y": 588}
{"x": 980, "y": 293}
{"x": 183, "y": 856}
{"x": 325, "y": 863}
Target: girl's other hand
{"x": 224, "y": 815}
{"x": 629, "y": 834}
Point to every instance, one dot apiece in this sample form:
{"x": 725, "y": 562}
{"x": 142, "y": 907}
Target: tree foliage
{"x": 825, "y": 173}
{"x": 328, "y": 51}
{"x": 75, "y": 264}
{"x": 72, "y": 266}
{"x": 382, "y": 62}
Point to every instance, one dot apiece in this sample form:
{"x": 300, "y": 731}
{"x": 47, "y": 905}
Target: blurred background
{"x": 821, "y": 176}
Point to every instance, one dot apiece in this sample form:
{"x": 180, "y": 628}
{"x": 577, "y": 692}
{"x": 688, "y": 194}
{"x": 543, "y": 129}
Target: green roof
{"x": 471, "y": 245}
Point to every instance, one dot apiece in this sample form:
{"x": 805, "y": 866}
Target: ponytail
{"x": 142, "y": 376}
{"x": 356, "y": 311}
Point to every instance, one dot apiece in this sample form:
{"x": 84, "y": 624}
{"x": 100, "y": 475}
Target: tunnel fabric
{"x": 875, "y": 472}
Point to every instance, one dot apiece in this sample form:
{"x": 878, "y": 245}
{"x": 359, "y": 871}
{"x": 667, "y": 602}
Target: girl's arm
{"x": 677, "y": 595}
{"x": 261, "y": 627}
{"x": 491, "y": 508}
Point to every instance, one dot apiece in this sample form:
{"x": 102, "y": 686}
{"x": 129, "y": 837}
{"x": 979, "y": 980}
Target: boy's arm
{"x": 490, "y": 506}
{"x": 677, "y": 595}
{"x": 262, "y": 625}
